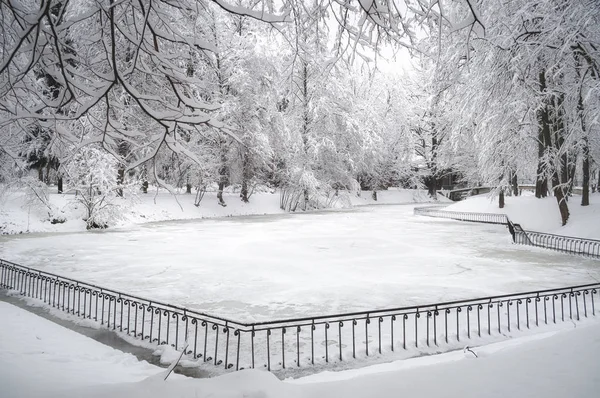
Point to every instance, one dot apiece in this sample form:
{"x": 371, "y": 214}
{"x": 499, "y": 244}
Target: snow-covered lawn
{"x": 541, "y": 214}
{"x": 41, "y": 359}
{"x": 265, "y": 267}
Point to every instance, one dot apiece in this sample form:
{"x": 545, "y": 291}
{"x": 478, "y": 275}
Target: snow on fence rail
{"x": 565, "y": 244}
{"x": 437, "y": 211}
{"x": 314, "y": 341}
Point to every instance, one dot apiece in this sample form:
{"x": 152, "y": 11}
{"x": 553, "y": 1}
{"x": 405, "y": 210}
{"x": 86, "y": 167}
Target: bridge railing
{"x": 316, "y": 341}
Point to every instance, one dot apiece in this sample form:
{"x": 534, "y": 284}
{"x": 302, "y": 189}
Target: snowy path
{"x": 264, "y": 267}
{"x": 41, "y": 359}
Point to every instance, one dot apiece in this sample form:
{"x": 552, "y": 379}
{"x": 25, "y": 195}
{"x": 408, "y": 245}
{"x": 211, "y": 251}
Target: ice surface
{"x": 266, "y": 267}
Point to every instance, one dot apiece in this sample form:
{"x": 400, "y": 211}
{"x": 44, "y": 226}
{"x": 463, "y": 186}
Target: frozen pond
{"x": 265, "y": 267}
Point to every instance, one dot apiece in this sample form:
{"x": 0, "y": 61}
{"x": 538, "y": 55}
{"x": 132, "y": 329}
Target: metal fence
{"x": 439, "y": 212}
{"x": 565, "y": 244}
{"x": 302, "y": 342}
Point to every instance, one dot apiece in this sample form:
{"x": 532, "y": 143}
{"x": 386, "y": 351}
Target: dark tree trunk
{"x": 60, "y": 184}
{"x": 223, "y": 171}
{"x": 123, "y": 150}
{"x": 561, "y": 199}
{"x": 544, "y": 120}
{"x": 432, "y": 182}
{"x": 120, "y": 180}
{"x": 564, "y": 168}
{"x": 244, "y": 192}
{"x": 220, "y": 194}
{"x": 515, "y": 184}
{"x": 572, "y": 168}
{"x": 41, "y": 173}
{"x": 501, "y": 199}
{"x": 374, "y": 195}
{"x": 585, "y": 193}
{"x": 541, "y": 181}
{"x": 306, "y": 199}
{"x": 246, "y": 175}
{"x": 188, "y": 188}
{"x": 145, "y": 187}
{"x": 431, "y": 187}
{"x": 558, "y": 125}
{"x": 222, "y": 182}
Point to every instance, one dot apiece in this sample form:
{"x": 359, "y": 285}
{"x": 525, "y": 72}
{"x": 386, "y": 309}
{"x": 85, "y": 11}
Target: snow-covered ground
{"x": 20, "y": 214}
{"x": 41, "y": 359}
{"x": 264, "y": 267}
{"x": 541, "y": 214}
{"x": 37, "y": 356}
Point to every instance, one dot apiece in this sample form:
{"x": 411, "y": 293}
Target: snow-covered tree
{"x": 92, "y": 174}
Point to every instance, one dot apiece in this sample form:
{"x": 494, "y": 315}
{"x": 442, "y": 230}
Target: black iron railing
{"x": 311, "y": 341}
{"x": 439, "y": 212}
{"x": 565, "y": 244}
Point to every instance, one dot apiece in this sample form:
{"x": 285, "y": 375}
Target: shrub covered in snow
{"x": 93, "y": 175}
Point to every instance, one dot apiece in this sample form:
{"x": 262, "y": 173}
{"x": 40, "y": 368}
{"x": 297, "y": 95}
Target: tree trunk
{"x": 223, "y": 171}
{"x": 563, "y": 207}
{"x": 245, "y": 176}
{"x": 585, "y": 193}
{"x": 571, "y": 169}
{"x": 222, "y": 181}
{"x": 41, "y": 173}
{"x": 541, "y": 181}
{"x": 558, "y": 125}
{"x": 544, "y": 121}
{"x": 120, "y": 179}
{"x": 515, "y": 184}
{"x": 501, "y": 199}
{"x": 220, "y": 194}
{"x": 244, "y": 191}
{"x": 60, "y": 184}
{"x": 564, "y": 168}
{"x": 431, "y": 185}
{"x": 306, "y": 199}
{"x": 374, "y": 195}
{"x": 188, "y": 188}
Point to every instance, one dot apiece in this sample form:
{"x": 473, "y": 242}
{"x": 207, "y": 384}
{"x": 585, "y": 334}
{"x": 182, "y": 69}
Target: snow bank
{"x": 541, "y": 214}
{"x": 559, "y": 365}
{"x": 39, "y": 358}
{"x": 20, "y": 215}
{"x": 37, "y": 355}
